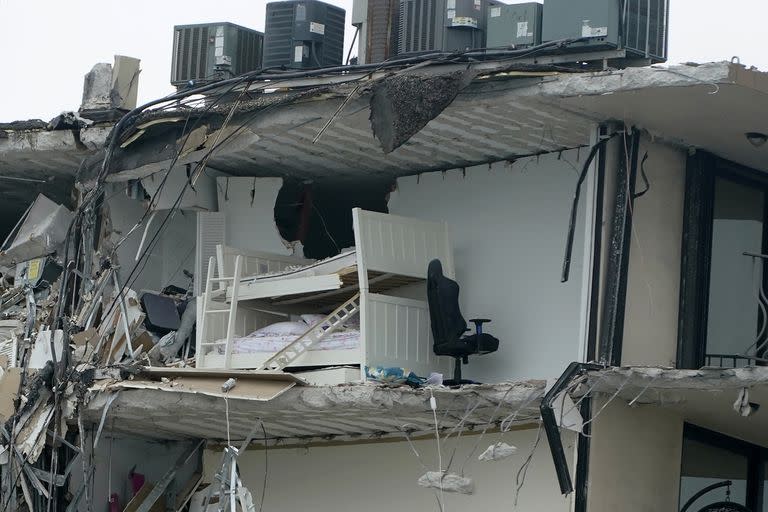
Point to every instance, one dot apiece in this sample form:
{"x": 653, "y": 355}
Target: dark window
{"x": 734, "y": 318}
{"x": 710, "y": 458}
{"x": 724, "y": 298}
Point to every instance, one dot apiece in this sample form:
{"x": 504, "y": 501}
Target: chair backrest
{"x": 443, "y": 297}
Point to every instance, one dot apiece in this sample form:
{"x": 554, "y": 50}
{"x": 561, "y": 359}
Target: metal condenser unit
{"x": 303, "y": 34}
{"x": 209, "y": 52}
{"x": 639, "y": 27}
{"x": 441, "y": 25}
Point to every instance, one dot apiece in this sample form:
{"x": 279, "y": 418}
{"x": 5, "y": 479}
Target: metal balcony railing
{"x": 755, "y": 354}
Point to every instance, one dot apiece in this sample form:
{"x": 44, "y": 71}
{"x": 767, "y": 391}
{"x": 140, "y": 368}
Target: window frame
{"x": 757, "y": 458}
{"x": 702, "y": 172}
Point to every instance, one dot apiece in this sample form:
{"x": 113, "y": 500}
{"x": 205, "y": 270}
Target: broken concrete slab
{"x": 329, "y": 412}
{"x": 97, "y": 88}
{"x": 41, "y": 231}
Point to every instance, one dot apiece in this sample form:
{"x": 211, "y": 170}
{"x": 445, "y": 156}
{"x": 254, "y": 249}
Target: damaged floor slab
{"x": 722, "y": 399}
{"x": 365, "y": 411}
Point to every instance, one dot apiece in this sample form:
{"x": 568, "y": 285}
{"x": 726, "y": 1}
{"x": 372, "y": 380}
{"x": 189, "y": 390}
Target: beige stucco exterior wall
{"x": 381, "y": 476}
{"x": 634, "y": 461}
{"x": 653, "y": 285}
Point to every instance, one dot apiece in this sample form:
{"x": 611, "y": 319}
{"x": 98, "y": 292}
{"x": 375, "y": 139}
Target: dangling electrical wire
{"x": 575, "y": 206}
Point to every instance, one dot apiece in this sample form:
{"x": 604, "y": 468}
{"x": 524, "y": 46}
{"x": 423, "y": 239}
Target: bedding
{"x": 275, "y": 337}
{"x": 253, "y": 343}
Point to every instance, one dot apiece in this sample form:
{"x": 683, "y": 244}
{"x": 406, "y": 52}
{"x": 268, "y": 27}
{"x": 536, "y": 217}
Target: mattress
{"x": 344, "y": 259}
{"x": 342, "y": 340}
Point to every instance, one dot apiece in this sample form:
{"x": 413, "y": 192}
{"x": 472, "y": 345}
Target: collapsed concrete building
{"x": 223, "y": 298}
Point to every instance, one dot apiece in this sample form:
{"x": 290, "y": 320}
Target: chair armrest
{"x": 479, "y": 324}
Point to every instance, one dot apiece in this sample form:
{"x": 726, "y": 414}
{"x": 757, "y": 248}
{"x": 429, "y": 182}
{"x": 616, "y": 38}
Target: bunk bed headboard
{"x": 400, "y": 245}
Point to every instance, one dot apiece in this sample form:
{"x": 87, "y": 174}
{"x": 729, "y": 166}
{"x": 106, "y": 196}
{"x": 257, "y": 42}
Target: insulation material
{"x": 497, "y": 451}
{"x": 402, "y": 105}
{"x": 43, "y": 228}
{"x": 449, "y": 482}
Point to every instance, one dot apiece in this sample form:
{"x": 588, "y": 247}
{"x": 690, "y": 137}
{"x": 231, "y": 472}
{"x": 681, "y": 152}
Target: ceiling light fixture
{"x": 757, "y": 139}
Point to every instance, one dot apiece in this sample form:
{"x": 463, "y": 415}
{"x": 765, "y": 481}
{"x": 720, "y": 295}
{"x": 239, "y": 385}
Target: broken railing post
{"x": 549, "y": 421}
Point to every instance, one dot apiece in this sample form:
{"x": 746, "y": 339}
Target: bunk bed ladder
{"x": 213, "y": 307}
{"x": 315, "y": 334}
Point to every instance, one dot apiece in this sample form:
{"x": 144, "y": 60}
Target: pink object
{"x": 137, "y": 481}
{"x": 114, "y": 503}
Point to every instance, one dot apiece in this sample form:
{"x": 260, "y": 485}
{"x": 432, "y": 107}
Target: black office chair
{"x": 448, "y": 326}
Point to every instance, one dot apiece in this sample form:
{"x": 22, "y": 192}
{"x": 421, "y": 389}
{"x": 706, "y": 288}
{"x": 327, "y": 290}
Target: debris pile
{"x": 67, "y": 321}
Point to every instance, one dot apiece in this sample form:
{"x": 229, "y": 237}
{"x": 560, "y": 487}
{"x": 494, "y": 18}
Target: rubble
{"x": 59, "y": 333}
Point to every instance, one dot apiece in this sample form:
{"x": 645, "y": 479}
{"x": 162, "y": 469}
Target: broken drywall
{"x": 248, "y": 205}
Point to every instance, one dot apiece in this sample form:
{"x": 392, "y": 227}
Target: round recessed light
{"x": 757, "y": 139}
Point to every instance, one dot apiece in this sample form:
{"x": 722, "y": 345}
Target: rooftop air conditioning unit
{"x": 638, "y": 26}
{"x": 441, "y": 25}
{"x": 209, "y": 52}
{"x": 303, "y": 34}
{"x": 378, "y": 22}
{"x": 517, "y": 25}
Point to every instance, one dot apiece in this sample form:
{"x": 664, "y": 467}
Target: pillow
{"x": 312, "y": 319}
{"x": 282, "y": 329}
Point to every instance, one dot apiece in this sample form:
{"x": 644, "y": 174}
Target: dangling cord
{"x": 433, "y": 406}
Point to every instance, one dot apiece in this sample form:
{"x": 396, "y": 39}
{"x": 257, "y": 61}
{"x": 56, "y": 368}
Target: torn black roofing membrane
{"x": 402, "y": 105}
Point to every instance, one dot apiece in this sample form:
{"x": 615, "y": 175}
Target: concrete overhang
{"x": 41, "y": 161}
{"x": 501, "y": 115}
{"x": 346, "y": 412}
{"x": 708, "y": 106}
{"x": 488, "y": 121}
{"x": 703, "y": 397}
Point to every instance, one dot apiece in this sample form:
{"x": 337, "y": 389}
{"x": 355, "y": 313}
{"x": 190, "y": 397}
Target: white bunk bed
{"x": 380, "y": 277}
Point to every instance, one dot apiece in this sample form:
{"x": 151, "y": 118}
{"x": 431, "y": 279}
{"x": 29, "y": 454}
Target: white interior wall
{"x": 634, "y": 459}
{"x": 653, "y": 281}
{"x": 113, "y": 460}
{"x": 250, "y": 221}
{"x": 509, "y": 224}
{"x": 173, "y": 252}
{"x": 381, "y": 476}
{"x": 201, "y": 196}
